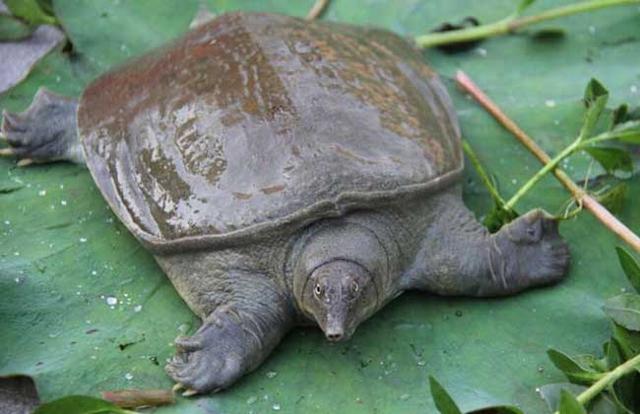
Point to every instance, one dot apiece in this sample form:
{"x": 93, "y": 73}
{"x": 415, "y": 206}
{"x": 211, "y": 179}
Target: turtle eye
{"x": 355, "y": 287}
{"x": 318, "y": 290}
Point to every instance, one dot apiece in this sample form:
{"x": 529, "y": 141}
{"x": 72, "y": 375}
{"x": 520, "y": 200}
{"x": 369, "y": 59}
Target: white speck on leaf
{"x": 271, "y": 374}
{"x": 42, "y": 193}
{"x": 550, "y": 103}
{"x": 112, "y": 301}
{"x": 128, "y": 376}
{"x": 137, "y": 308}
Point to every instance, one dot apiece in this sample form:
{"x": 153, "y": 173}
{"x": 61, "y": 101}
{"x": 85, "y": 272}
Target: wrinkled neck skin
{"x": 341, "y": 275}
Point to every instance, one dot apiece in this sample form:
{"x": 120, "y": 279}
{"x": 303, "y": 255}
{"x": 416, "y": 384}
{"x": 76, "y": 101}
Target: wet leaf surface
{"x": 65, "y": 258}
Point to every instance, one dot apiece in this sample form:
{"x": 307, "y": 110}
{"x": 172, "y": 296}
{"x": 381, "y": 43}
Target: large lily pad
{"x": 65, "y": 260}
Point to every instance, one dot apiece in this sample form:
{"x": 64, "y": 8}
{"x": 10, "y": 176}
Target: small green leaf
{"x": 46, "y": 6}
{"x": 498, "y": 217}
{"x": 605, "y": 404}
{"x": 595, "y": 99}
{"x": 13, "y": 29}
{"x": 630, "y": 266}
{"x": 613, "y": 198}
{"x": 550, "y": 393}
{"x": 594, "y": 92}
{"x": 569, "y": 404}
{"x": 30, "y": 11}
{"x": 576, "y": 372}
{"x": 79, "y": 404}
{"x": 624, "y": 392}
{"x": 628, "y": 341}
{"x": 611, "y": 159}
{"x": 624, "y": 310}
{"x": 444, "y": 402}
{"x": 628, "y": 131}
{"x": 619, "y": 115}
{"x": 589, "y": 362}
{"x": 524, "y": 4}
{"x": 612, "y": 354}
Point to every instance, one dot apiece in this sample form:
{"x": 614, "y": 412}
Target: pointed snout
{"x": 335, "y": 329}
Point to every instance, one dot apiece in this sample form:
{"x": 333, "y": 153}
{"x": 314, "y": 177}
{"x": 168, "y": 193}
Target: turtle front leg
{"x": 232, "y": 341}
{"x": 45, "y": 132}
{"x": 460, "y": 257}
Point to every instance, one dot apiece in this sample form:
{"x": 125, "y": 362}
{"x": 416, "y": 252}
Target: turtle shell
{"x": 253, "y": 121}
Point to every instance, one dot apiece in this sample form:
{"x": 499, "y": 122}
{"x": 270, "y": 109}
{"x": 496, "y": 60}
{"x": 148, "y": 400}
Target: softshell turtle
{"x": 285, "y": 172}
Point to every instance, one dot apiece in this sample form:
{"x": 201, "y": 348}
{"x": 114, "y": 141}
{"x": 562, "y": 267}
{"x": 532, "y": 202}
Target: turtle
{"x": 285, "y": 173}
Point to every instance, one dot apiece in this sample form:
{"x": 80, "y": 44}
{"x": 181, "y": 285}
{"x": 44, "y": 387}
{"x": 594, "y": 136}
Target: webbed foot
{"x": 45, "y": 132}
{"x": 529, "y": 252}
{"x": 218, "y": 354}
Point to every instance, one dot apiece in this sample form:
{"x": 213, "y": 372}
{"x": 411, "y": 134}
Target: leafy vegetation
{"x": 24, "y": 17}
{"x": 608, "y": 384}
{"x": 57, "y": 231}
{"x": 604, "y": 147}
{"x": 455, "y": 37}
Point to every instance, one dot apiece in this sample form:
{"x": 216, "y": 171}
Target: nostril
{"x": 334, "y": 336}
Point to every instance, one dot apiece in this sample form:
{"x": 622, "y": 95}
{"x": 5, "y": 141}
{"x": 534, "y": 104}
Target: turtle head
{"x": 339, "y": 295}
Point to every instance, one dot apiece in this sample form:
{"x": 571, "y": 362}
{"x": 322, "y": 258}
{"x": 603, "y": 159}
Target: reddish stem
{"x": 581, "y": 197}
{"x": 318, "y": 8}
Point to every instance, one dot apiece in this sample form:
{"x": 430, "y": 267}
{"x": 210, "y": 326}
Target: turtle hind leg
{"x": 45, "y": 132}
{"x": 459, "y": 256}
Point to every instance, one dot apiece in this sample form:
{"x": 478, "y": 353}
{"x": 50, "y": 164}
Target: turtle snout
{"x": 334, "y": 329}
{"x": 334, "y": 335}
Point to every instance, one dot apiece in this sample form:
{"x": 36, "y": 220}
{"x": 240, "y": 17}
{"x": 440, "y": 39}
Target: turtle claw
{"x": 24, "y": 162}
{"x": 188, "y": 344}
{"x": 6, "y": 152}
{"x": 189, "y": 392}
{"x": 212, "y": 359}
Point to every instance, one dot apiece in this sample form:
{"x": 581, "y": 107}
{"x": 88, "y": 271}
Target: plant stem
{"x": 481, "y": 172}
{"x": 551, "y": 165}
{"x": 317, "y": 9}
{"x": 513, "y": 23}
{"x": 605, "y": 136}
{"x": 581, "y": 197}
{"x": 608, "y": 379}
